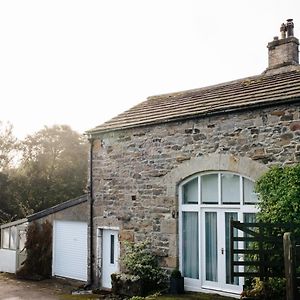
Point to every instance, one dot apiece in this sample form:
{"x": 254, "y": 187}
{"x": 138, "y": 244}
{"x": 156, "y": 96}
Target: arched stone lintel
{"x": 214, "y": 162}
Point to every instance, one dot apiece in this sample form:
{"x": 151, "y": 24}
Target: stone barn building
{"x": 176, "y": 168}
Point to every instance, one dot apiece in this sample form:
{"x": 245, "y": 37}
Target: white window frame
{"x": 241, "y": 208}
{"x": 10, "y": 232}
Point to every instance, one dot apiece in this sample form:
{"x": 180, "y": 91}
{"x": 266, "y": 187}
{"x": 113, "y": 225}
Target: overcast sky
{"x": 82, "y": 62}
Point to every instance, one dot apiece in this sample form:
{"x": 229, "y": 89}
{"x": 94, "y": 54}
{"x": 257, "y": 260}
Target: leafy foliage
{"x": 8, "y": 205}
{"x": 8, "y": 145}
{"x": 279, "y": 193}
{"x": 140, "y": 261}
{"x": 273, "y": 289}
{"x": 51, "y": 167}
{"x": 39, "y": 252}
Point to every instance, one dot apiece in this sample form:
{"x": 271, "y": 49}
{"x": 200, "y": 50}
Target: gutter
{"x": 91, "y": 215}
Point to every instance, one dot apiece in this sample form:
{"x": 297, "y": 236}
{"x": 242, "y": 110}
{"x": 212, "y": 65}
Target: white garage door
{"x": 70, "y": 249}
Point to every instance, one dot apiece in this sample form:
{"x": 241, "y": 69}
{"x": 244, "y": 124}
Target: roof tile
{"x": 263, "y": 90}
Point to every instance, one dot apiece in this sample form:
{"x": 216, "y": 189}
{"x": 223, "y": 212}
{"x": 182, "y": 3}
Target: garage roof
{"x": 57, "y": 208}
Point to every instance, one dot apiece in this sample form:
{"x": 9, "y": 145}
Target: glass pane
{"x": 250, "y": 197}
{"x": 5, "y": 238}
{"x": 190, "y": 245}
{"x": 190, "y": 192}
{"x": 209, "y": 188}
{"x": 249, "y": 218}
{"x": 228, "y": 217}
{"x": 13, "y": 237}
{"x": 230, "y": 188}
{"x": 112, "y": 249}
{"x": 211, "y": 246}
{"x": 22, "y": 240}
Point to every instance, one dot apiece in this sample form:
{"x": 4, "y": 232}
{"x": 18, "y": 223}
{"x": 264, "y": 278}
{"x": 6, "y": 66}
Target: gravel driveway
{"x": 14, "y": 289}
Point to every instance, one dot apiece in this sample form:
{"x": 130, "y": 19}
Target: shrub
{"x": 279, "y": 195}
{"x": 140, "y": 261}
{"x": 272, "y": 289}
{"x": 279, "y": 202}
{"x": 39, "y": 252}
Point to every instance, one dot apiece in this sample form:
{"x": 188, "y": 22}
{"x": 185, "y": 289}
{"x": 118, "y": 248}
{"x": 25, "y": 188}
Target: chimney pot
{"x": 290, "y": 27}
{"x": 283, "y": 31}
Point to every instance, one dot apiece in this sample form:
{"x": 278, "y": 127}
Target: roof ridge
{"x": 240, "y": 94}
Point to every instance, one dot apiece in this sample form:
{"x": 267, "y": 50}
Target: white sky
{"x": 82, "y": 62}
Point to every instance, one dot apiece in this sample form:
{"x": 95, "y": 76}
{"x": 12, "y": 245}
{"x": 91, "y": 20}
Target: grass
{"x": 186, "y": 296}
{"x": 195, "y": 296}
{"x": 79, "y": 297}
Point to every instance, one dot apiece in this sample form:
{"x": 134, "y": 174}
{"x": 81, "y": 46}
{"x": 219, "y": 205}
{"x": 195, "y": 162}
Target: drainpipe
{"x": 91, "y": 202}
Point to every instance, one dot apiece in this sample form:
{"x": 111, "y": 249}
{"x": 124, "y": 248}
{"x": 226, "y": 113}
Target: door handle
{"x": 222, "y": 251}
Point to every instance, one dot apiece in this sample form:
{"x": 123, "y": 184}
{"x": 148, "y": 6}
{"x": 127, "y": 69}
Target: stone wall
{"x": 133, "y": 169}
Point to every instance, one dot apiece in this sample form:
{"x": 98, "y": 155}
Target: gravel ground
{"x": 14, "y": 289}
{"x": 57, "y": 289}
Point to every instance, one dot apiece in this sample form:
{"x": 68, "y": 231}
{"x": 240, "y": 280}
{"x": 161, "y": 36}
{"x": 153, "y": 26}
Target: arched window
{"x": 218, "y": 188}
{"x": 207, "y": 203}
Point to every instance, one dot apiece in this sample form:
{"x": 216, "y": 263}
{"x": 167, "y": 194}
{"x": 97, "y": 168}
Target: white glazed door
{"x": 215, "y": 240}
{"x": 110, "y": 258}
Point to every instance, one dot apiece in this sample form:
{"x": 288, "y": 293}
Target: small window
{"x": 190, "y": 192}
{"x": 112, "y": 249}
{"x": 250, "y": 197}
{"x": 5, "y": 238}
{"x": 22, "y": 240}
{"x": 9, "y": 238}
{"x": 13, "y": 238}
{"x": 230, "y": 188}
{"x": 209, "y": 188}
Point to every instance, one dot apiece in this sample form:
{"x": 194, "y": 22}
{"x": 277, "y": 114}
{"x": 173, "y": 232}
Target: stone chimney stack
{"x": 283, "y": 52}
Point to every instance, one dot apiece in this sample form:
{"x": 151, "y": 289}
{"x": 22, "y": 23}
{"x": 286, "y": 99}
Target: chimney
{"x": 283, "y": 52}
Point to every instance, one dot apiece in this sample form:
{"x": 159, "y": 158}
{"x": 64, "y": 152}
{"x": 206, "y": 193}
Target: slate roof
{"x": 257, "y": 91}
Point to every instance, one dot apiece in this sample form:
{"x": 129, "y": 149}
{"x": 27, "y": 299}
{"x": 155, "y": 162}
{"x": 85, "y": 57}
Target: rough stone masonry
{"x": 129, "y": 166}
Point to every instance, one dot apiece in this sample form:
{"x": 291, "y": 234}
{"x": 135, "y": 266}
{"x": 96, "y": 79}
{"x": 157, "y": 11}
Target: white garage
{"x": 70, "y": 249}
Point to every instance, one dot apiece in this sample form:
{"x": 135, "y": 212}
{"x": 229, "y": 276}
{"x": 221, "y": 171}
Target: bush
{"x": 38, "y": 247}
{"x": 140, "y": 261}
{"x": 279, "y": 202}
{"x": 273, "y": 289}
{"x": 143, "y": 274}
{"x": 279, "y": 195}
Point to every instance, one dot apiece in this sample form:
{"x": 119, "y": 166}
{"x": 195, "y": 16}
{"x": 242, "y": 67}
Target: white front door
{"x": 110, "y": 255}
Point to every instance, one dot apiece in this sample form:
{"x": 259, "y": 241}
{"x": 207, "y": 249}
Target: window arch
{"x": 218, "y": 188}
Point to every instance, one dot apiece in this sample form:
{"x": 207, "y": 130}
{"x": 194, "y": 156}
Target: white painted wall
{"x": 8, "y": 260}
